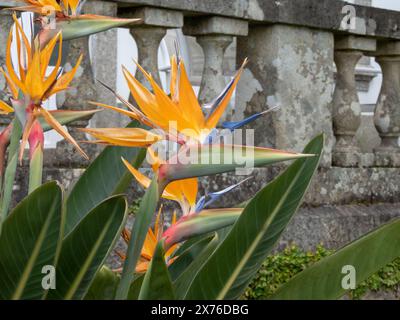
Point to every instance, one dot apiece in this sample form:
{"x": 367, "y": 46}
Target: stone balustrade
{"x": 293, "y": 47}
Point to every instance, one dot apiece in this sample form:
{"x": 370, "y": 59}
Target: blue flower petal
{"x": 237, "y": 124}
{"x": 213, "y": 196}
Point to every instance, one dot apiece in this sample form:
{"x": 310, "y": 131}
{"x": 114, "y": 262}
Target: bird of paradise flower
{"x": 30, "y": 85}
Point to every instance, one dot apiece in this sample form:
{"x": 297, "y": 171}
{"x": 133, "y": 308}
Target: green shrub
{"x": 281, "y": 267}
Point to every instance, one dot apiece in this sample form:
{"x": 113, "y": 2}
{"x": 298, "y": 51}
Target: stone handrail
{"x": 321, "y": 14}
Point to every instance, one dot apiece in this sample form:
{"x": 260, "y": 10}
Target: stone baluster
{"x": 82, "y": 90}
{"x": 346, "y": 109}
{"x": 214, "y": 35}
{"x": 6, "y": 23}
{"x": 148, "y": 35}
{"x": 387, "y": 111}
{"x": 104, "y": 59}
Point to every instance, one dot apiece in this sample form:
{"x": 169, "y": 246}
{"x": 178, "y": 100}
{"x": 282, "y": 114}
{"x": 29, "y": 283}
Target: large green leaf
{"x": 136, "y": 284}
{"x": 86, "y": 247}
{"x": 104, "y": 285}
{"x": 233, "y": 264}
{"x": 157, "y": 284}
{"x": 105, "y": 176}
{"x": 367, "y": 255}
{"x": 183, "y": 282}
{"x": 29, "y": 241}
{"x": 142, "y": 223}
{"x": 205, "y": 160}
{"x": 183, "y": 258}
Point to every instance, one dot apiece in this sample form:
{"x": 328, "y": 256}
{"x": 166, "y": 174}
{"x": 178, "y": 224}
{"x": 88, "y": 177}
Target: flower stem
{"x": 36, "y": 169}
{"x": 36, "y": 141}
{"x": 139, "y": 229}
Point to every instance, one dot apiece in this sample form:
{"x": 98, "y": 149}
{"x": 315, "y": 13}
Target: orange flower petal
{"x": 57, "y": 127}
{"x": 5, "y": 107}
{"x": 188, "y": 101}
{"x": 130, "y": 137}
{"x": 219, "y": 109}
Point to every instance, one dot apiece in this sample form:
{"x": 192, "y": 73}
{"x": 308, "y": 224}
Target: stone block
{"x": 196, "y": 26}
{"x": 293, "y": 68}
{"x": 158, "y": 17}
{"x": 355, "y": 43}
{"x": 9, "y": 3}
{"x": 387, "y": 158}
{"x": 367, "y": 159}
{"x": 389, "y": 48}
{"x": 346, "y": 159}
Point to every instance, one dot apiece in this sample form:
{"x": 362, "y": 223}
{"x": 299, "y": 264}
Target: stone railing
{"x": 292, "y": 48}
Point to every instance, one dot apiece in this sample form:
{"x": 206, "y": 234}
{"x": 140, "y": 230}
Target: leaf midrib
{"x": 76, "y": 282}
{"x": 35, "y": 253}
{"x": 253, "y": 246}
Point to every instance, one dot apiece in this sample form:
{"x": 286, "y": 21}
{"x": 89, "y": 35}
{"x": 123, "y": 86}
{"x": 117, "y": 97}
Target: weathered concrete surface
{"x": 65, "y": 176}
{"x": 156, "y": 17}
{"x": 367, "y": 136}
{"x": 291, "y": 67}
{"x": 321, "y": 14}
{"x": 382, "y": 295}
{"x": 215, "y": 25}
{"x": 335, "y": 226}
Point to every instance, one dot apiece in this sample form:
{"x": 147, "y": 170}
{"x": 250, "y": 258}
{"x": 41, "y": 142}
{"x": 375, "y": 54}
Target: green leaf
{"x": 183, "y": 282}
{"x": 323, "y": 280}
{"x": 236, "y": 260}
{"x": 200, "y": 223}
{"x": 189, "y": 243}
{"x": 29, "y": 242}
{"x": 136, "y": 284}
{"x": 182, "y": 259}
{"x": 104, "y": 285}
{"x": 9, "y": 175}
{"x": 35, "y": 169}
{"x": 81, "y": 26}
{"x": 204, "y": 160}
{"x": 142, "y": 223}
{"x": 87, "y": 246}
{"x": 157, "y": 284}
{"x": 105, "y": 176}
